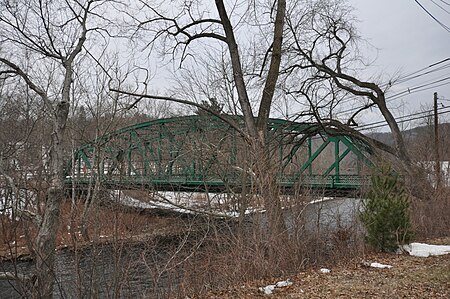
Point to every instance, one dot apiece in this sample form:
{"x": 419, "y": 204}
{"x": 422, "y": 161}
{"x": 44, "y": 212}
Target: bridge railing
{"x": 312, "y": 181}
{"x": 329, "y": 181}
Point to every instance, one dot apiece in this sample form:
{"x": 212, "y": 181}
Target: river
{"x": 148, "y": 270}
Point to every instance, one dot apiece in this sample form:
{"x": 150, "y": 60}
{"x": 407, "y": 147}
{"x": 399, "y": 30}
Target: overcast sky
{"x": 408, "y": 40}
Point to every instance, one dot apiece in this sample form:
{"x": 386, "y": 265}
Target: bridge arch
{"x": 205, "y": 152}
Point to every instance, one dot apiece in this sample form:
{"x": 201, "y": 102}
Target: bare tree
{"x": 211, "y": 78}
{"x": 313, "y": 45}
{"x": 196, "y": 23}
{"x": 42, "y": 43}
{"x": 323, "y": 52}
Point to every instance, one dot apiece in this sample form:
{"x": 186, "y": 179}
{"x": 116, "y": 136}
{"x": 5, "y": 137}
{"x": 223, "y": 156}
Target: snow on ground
{"x": 329, "y": 210}
{"x": 425, "y": 250}
{"x": 268, "y": 290}
{"x": 192, "y": 198}
{"x": 381, "y": 266}
{"x": 325, "y": 270}
{"x": 135, "y": 203}
{"x": 321, "y": 199}
{"x": 185, "y": 203}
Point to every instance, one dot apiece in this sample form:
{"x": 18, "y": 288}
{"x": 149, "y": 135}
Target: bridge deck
{"x": 287, "y": 184}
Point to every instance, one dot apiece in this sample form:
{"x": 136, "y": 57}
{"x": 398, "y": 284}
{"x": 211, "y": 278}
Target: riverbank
{"x": 146, "y": 255}
{"x": 106, "y": 225}
{"x": 409, "y": 277}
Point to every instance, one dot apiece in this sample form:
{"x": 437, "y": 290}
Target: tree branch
{"x": 16, "y": 69}
{"x": 28, "y": 215}
{"x": 223, "y": 117}
{"x": 16, "y": 276}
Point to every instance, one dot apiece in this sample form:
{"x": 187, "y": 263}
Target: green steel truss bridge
{"x": 205, "y": 153}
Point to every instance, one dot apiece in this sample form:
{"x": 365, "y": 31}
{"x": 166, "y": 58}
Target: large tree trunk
{"x": 266, "y": 179}
{"x": 45, "y": 245}
{"x": 46, "y": 238}
{"x": 274, "y": 70}
{"x": 238, "y": 74}
{"x": 267, "y": 187}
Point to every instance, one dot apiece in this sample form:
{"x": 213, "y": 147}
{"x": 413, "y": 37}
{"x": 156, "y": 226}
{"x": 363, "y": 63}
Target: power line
{"x": 422, "y": 114}
{"x": 408, "y": 77}
{"x": 419, "y": 88}
{"x": 446, "y": 3}
{"x": 433, "y": 17}
{"x": 439, "y": 62}
{"x": 416, "y": 74}
{"x": 405, "y": 79}
{"x": 438, "y": 5}
{"x": 401, "y": 121}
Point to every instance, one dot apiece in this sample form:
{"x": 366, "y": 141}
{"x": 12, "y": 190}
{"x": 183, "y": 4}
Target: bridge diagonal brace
{"x": 336, "y": 163}
{"x": 356, "y": 151}
{"x": 311, "y": 159}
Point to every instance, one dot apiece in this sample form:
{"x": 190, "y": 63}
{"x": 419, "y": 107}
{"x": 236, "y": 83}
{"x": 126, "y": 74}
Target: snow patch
{"x": 325, "y": 270}
{"x": 381, "y": 266}
{"x": 283, "y": 283}
{"x": 182, "y": 202}
{"x": 135, "y": 203}
{"x": 425, "y": 250}
{"x": 320, "y": 200}
{"x": 268, "y": 290}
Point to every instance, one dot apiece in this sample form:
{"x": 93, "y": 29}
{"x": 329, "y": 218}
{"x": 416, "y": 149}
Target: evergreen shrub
{"x": 385, "y": 212}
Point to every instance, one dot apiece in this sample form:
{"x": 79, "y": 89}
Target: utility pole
{"x": 436, "y": 143}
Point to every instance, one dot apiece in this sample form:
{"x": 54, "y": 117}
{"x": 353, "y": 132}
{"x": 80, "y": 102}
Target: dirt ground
{"x": 409, "y": 277}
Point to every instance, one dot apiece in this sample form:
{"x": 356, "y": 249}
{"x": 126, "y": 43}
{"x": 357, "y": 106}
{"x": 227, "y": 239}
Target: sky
{"x": 403, "y": 39}
{"x": 408, "y": 39}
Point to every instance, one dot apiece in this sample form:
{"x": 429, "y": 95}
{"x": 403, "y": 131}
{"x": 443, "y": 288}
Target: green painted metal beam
{"x": 170, "y": 149}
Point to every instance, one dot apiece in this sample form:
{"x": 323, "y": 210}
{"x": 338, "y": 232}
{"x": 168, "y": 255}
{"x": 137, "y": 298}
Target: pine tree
{"x": 212, "y": 104}
{"x": 385, "y": 212}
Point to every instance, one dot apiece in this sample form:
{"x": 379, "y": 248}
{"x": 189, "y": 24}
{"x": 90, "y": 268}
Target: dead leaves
{"x": 409, "y": 277}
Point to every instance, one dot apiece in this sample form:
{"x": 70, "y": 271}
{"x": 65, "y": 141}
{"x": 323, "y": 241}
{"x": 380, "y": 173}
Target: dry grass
{"x": 221, "y": 255}
{"x": 431, "y": 218}
{"x": 104, "y": 225}
{"x": 410, "y": 277}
